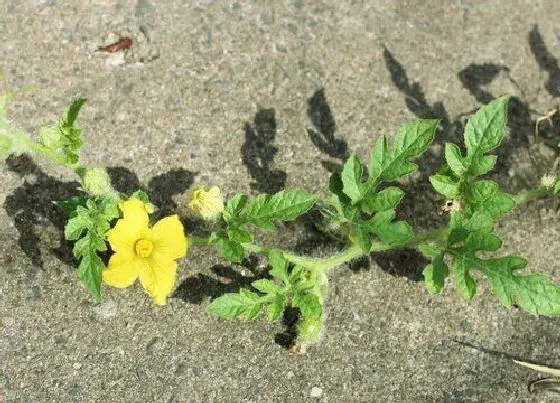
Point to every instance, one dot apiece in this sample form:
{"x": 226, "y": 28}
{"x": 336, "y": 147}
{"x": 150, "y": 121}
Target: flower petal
{"x": 134, "y": 208}
{"x": 168, "y": 237}
{"x": 158, "y": 277}
{"x": 126, "y": 232}
{"x": 130, "y": 228}
{"x": 121, "y": 271}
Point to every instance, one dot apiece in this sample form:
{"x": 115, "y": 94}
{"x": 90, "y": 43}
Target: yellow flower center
{"x": 143, "y": 248}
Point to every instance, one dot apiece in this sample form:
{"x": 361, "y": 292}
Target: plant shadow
{"x": 258, "y": 152}
{"x": 224, "y": 279}
{"x": 34, "y": 203}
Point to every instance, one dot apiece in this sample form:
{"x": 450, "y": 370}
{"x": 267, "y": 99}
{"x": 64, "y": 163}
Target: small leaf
{"x": 267, "y": 286}
{"x": 335, "y": 187}
{"x": 228, "y": 306}
{"x": 73, "y": 111}
{"x": 142, "y": 196}
{"x": 76, "y": 226}
{"x": 393, "y": 233}
{"x": 286, "y": 205}
{"x": 446, "y": 186}
{"x": 89, "y": 272}
{"x": 435, "y": 274}
{"x": 463, "y": 281}
{"x": 482, "y": 241}
{"x": 279, "y": 265}
{"x": 309, "y": 305}
{"x": 50, "y": 136}
{"x": 485, "y": 195}
{"x": 410, "y": 142}
{"x": 386, "y": 199}
{"x": 429, "y": 251}
{"x": 239, "y": 235}
{"x": 484, "y": 132}
{"x": 362, "y": 238}
{"x": 234, "y": 206}
{"x": 535, "y": 293}
{"x": 253, "y": 312}
{"x": 231, "y": 250}
{"x": 455, "y": 160}
{"x": 352, "y": 179}
{"x": 275, "y": 308}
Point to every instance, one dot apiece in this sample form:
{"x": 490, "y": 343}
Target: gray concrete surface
{"x": 183, "y": 107}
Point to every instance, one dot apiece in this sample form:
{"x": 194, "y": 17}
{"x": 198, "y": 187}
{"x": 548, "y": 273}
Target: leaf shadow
{"x": 546, "y": 61}
{"x": 258, "y": 152}
{"x": 323, "y": 134}
{"x": 33, "y": 202}
{"x": 224, "y": 279}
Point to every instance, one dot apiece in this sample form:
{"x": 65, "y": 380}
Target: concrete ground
{"x": 253, "y": 96}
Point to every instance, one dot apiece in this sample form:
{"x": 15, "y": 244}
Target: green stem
{"x": 354, "y": 251}
{"x": 348, "y": 254}
{"x": 47, "y": 152}
{"x": 530, "y": 195}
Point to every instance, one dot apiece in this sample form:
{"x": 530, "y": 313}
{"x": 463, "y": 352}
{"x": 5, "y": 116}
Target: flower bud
{"x": 309, "y": 329}
{"x": 548, "y": 180}
{"x": 207, "y": 203}
{"x": 96, "y": 182}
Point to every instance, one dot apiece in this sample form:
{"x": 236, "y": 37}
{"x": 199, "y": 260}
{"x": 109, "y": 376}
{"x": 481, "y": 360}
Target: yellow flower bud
{"x": 207, "y": 203}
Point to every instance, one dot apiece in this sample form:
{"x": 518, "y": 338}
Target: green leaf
{"x": 393, "y": 233}
{"x": 267, "y": 286}
{"x": 455, "y": 160}
{"x": 90, "y": 272}
{"x": 410, "y": 142}
{"x": 557, "y": 188}
{"x": 435, "y": 274}
{"x": 429, "y": 251}
{"x": 535, "y": 293}
{"x": 49, "y": 136}
{"x": 446, "y": 186}
{"x": 485, "y": 195}
{"x": 309, "y": 305}
{"x": 231, "y": 250}
{"x": 463, "y": 281}
{"x": 77, "y": 225}
{"x": 386, "y": 199}
{"x": 336, "y": 186}
{"x": 232, "y": 305}
{"x": 279, "y": 265}
{"x": 482, "y": 241}
{"x": 239, "y": 235}
{"x": 362, "y": 238}
{"x": 73, "y": 110}
{"x": 275, "y": 308}
{"x": 484, "y": 132}
{"x": 286, "y": 205}
{"x": 234, "y": 206}
{"x": 352, "y": 179}
{"x": 253, "y": 312}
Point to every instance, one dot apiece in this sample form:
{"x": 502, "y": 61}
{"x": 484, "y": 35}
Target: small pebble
{"x": 76, "y": 365}
{"x": 316, "y": 392}
{"x": 106, "y": 310}
{"x": 290, "y": 375}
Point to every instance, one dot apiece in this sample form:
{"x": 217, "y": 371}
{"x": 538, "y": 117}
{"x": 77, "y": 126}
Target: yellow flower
{"x": 207, "y": 203}
{"x": 141, "y": 251}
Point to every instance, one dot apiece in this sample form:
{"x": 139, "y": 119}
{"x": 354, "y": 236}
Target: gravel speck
{"x": 106, "y": 310}
{"x": 316, "y": 392}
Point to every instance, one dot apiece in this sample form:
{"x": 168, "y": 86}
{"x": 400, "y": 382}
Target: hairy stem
{"x": 530, "y": 195}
